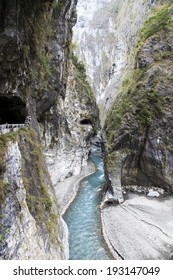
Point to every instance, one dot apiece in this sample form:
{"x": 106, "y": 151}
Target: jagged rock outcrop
{"x": 138, "y": 127}
{"x": 106, "y": 40}
{"x": 129, "y": 61}
{"x": 35, "y": 48}
{"x": 104, "y": 36}
{"x": 138, "y": 150}
{"x": 23, "y": 234}
{"x": 69, "y": 151}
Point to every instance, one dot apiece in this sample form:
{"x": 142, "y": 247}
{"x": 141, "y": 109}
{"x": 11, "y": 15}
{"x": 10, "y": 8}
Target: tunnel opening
{"x": 12, "y": 110}
{"x": 86, "y": 122}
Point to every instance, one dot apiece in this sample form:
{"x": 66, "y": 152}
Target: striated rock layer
{"x": 21, "y": 237}
{"x": 138, "y": 135}
{"x": 138, "y": 127}
{"x": 58, "y": 116}
{"x": 104, "y": 36}
{"x": 127, "y": 48}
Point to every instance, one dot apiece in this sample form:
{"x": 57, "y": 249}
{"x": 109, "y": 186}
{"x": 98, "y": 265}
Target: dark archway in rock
{"x": 12, "y": 110}
{"x": 86, "y": 121}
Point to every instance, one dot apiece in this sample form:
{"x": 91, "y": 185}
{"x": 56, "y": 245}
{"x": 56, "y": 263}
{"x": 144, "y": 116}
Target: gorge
{"x": 108, "y": 83}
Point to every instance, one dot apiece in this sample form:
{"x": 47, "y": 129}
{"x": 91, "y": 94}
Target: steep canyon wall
{"x": 129, "y": 63}
{"x": 104, "y": 35}
{"x": 42, "y": 88}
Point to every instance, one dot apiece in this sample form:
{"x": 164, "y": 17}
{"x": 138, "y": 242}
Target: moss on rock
{"x": 140, "y": 115}
{"x": 37, "y": 184}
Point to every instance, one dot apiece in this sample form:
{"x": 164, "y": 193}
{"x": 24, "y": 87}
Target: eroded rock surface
{"x": 36, "y": 92}
{"x": 104, "y": 36}
{"x": 138, "y": 154}
{"x": 140, "y": 143}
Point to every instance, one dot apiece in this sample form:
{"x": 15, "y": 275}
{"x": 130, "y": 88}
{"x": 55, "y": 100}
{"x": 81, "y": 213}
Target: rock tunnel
{"x": 12, "y": 110}
{"x": 86, "y": 122}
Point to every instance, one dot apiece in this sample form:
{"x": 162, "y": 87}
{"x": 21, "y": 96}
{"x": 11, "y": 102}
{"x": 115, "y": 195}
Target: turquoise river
{"x": 83, "y": 217}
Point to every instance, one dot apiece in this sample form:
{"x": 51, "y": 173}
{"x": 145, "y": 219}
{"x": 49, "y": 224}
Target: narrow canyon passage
{"x": 83, "y": 217}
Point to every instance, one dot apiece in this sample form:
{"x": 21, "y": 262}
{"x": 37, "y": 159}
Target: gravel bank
{"x": 141, "y": 228}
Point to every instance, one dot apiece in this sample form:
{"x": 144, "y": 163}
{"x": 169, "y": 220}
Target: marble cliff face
{"x": 128, "y": 60}
{"x": 127, "y": 47}
{"x": 105, "y": 34}
{"x": 49, "y": 114}
{"x": 43, "y": 90}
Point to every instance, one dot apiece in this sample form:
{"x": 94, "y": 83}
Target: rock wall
{"x": 128, "y": 60}
{"x": 36, "y": 91}
{"x": 69, "y": 151}
{"x": 127, "y": 47}
{"x": 104, "y": 36}
{"x": 21, "y": 237}
{"x": 138, "y": 127}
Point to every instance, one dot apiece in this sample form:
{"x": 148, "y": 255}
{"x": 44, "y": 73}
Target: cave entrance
{"x": 86, "y": 121}
{"x": 12, "y": 110}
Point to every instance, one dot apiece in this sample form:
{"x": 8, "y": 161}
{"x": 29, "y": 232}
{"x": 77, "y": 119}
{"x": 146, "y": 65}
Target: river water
{"x": 83, "y": 217}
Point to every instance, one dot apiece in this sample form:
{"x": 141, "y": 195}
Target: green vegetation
{"x": 149, "y": 106}
{"x": 35, "y": 178}
{"x": 2, "y": 235}
{"x": 110, "y": 161}
{"x": 161, "y": 20}
{"x": 42, "y": 67}
{"x": 81, "y": 72}
{"x": 169, "y": 148}
{"x": 58, "y": 5}
{"x": 39, "y": 30}
{"x": 124, "y": 101}
{"x": 4, "y": 139}
{"x": 3, "y": 191}
{"x": 36, "y": 181}
{"x": 79, "y": 66}
{"x": 43, "y": 32}
{"x": 138, "y": 99}
{"x": 134, "y": 98}
{"x": 166, "y": 55}
{"x": 84, "y": 90}
{"x": 4, "y": 186}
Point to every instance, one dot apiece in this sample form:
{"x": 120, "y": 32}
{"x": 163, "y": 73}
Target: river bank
{"x": 66, "y": 192}
{"x": 140, "y": 228}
